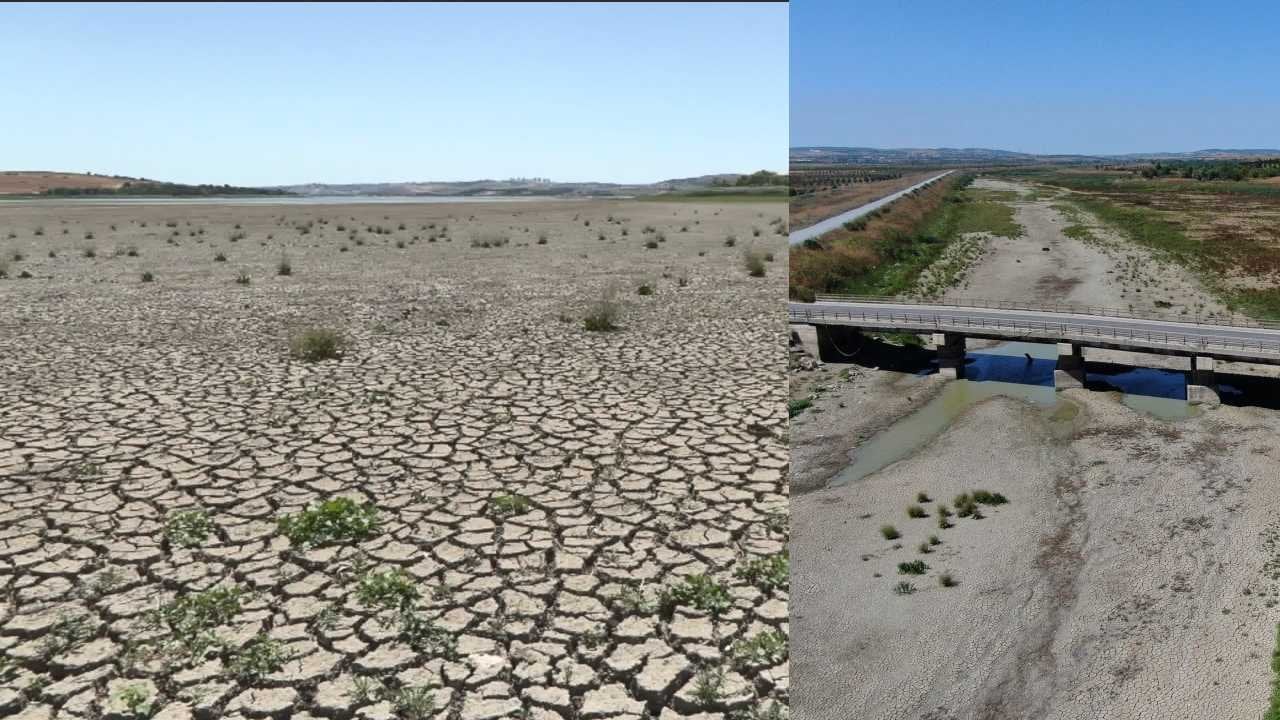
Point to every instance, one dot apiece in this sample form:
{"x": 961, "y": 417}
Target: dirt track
{"x": 539, "y": 485}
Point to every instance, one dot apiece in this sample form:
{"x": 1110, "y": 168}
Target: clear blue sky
{"x": 280, "y": 94}
{"x": 1075, "y": 77}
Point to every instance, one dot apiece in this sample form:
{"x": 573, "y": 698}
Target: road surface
{"x": 831, "y": 223}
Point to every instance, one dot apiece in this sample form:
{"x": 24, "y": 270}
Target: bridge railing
{"x": 1066, "y": 331}
{"x": 1073, "y": 308}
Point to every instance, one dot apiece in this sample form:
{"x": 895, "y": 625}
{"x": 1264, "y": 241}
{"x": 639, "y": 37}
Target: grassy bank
{"x": 1273, "y": 709}
{"x": 887, "y": 252}
{"x": 745, "y": 194}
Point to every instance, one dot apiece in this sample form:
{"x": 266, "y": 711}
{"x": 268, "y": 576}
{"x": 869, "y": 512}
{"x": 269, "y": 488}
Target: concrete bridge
{"x": 839, "y": 318}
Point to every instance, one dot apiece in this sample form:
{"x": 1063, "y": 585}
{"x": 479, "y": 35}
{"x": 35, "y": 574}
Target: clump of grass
{"x": 489, "y": 240}
{"x": 413, "y": 702}
{"x": 148, "y": 276}
{"x": 651, "y": 244}
{"x": 764, "y": 649}
{"x": 731, "y": 241}
{"x": 542, "y": 238}
{"x": 708, "y": 685}
{"x": 316, "y": 344}
{"x": 188, "y": 528}
{"x": 767, "y": 573}
{"x": 284, "y": 267}
{"x": 797, "y": 406}
{"x": 387, "y": 589}
{"x": 332, "y": 520}
{"x": 946, "y": 580}
{"x": 90, "y": 252}
{"x": 242, "y": 279}
{"x": 890, "y": 532}
{"x": 753, "y": 262}
{"x": 220, "y": 257}
{"x": 904, "y": 588}
{"x": 913, "y": 567}
{"x": 700, "y": 592}
{"x": 915, "y": 511}
{"x": 67, "y": 632}
{"x": 509, "y": 504}
{"x": 935, "y": 540}
{"x": 260, "y": 657}
{"x": 603, "y": 314}
{"x": 644, "y": 289}
{"x": 989, "y": 498}
{"x": 922, "y": 498}
{"x": 191, "y": 618}
{"x": 136, "y": 700}
{"x": 924, "y": 548}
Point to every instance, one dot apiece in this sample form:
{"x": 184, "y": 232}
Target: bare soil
{"x": 643, "y": 456}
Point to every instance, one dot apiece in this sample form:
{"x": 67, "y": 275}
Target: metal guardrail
{"x": 1084, "y": 331}
{"x": 1232, "y": 321}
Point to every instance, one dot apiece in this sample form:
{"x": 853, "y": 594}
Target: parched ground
{"x": 568, "y": 524}
{"x": 1133, "y": 573}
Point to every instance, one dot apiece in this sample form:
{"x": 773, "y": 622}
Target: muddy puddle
{"x": 1023, "y": 371}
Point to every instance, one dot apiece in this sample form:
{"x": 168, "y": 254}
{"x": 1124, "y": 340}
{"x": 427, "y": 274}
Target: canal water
{"x": 1023, "y": 371}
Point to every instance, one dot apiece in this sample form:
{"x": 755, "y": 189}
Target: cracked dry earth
{"x": 547, "y": 492}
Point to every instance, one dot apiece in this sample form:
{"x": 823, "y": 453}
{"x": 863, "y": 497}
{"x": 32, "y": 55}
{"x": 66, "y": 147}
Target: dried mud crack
{"x": 568, "y": 524}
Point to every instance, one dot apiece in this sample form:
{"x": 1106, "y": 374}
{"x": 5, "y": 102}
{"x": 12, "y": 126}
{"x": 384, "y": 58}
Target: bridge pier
{"x": 1202, "y": 386}
{"x": 837, "y": 343}
{"x": 950, "y": 348}
{"x": 1069, "y": 372}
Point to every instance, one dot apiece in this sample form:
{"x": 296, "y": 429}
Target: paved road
{"x": 1140, "y": 334}
{"x": 831, "y": 223}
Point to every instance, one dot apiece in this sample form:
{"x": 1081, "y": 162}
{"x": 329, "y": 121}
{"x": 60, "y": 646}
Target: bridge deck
{"x": 1237, "y": 342}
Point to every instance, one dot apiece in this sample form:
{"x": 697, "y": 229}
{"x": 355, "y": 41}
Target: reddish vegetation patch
{"x": 24, "y": 182}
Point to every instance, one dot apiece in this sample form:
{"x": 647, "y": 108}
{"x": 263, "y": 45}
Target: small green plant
{"x": 947, "y": 580}
{"x": 730, "y": 241}
{"x": 509, "y": 504}
{"x": 243, "y": 279}
{"x": 697, "y": 591}
{"x": 284, "y": 267}
{"x": 603, "y": 315}
{"x": 338, "y": 519}
{"x": 632, "y": 599}
{"x": 922, "y": 498}
{"x": 989, "y": 498}
{"x": 890, "y": 532}
{"x": 148, "y": 276}
{"x": 925, "y": 548}
{"x": 220, "y": 257}
{"x": 914, "y": 567}
{"x": 904, "y": 588}
{"x": 188, "y": 528}
{"x": 316, "y": 344}
{"x": 542, "y": 238}
{"x": 136, "y": 700}
{"x": 366, "y": 690}
{"x": 644, "y": 289}
{"x": 260, "y": 657}
{"x": 67, "y": 632}
{"x": 767, "y": 573}
{"x": 766, "y": 648}
{"x": 413, "y": 703}
{"x": 935, "y": 540}
{"x": 191, "y": 618}
{"x": 797, "y": 406}
{"x": 754, "y": 263}
{"x": 708, "y": 685}
{"x": 387, "y": 589}
{"x": 915, "y": 511}
{"x": 90, "y": 252}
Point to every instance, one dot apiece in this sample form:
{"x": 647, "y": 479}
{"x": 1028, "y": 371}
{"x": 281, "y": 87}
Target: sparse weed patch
{"x": 913, "y": 567}
{"x": 765, "y": 649}
{"x": 188, "y": 528}
{"x": 332, "y": 520}
{"x": 767, "y": 573}
{"x": 890, "y": 532}
{"x": 316, "y": 344}
{"x": 509, "y": 504}
{"x": 700, "y": 592}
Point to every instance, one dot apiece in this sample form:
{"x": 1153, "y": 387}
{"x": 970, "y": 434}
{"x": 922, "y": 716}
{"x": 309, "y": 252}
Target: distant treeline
{"x": 164, "y": 188}
{"x": 755, "y": 179}
{"x": 1214, "y": 170}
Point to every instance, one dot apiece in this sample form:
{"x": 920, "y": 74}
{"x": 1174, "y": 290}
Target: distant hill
{"x": 518, "y": 187}
{"x": 988, "y": 156}
{"x": 62, "y": 184}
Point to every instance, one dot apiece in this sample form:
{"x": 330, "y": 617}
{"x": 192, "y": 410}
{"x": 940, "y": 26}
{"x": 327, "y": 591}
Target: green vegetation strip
{"x": 1273, "y": 709}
